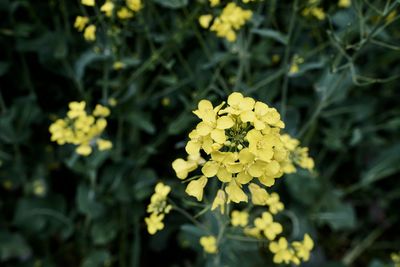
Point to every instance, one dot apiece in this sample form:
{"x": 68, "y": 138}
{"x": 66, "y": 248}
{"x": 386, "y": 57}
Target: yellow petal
{"x": 218, "y": 136}
{"x": 256, "y": 169}
{"x": 196, "y": 188}
{"x": 243, "y": 178}
{"x": 225, "y": 122}
{"x": 235, "y": 193}
{"x": 204, "y": 128}
{"x": 210, "y": 168}
{"x": 223, "y": 175}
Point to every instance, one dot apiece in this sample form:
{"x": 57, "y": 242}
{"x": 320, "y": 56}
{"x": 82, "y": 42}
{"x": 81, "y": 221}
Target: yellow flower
{"x": 103, "y": 144}
{"x": 344, "y": 3}
{"x": 274, "y": 203}
{"x": 196, "y": 188}
{"x": 90, "y": 33}
{"x": 219, "y": 201}
{"x": 124, "y": 13}
{"x": 84, "y": 150}
{"x": 118, "y": 65}
{"x": 107, "y": 8}
{"x": 112, "y": 102}
{"x": 266, "y": 224}
{"x": 39, "y": 188}
{"x": 304, "y": 248}
{"x": 239, "y": 218}
{"x": 209, "y": 244}
{"x": 80, "y": 22}
{"x": 253, "y": 232}
{"x": 88, "y": 2}
{"x": 134, "y": 5}
{"x": 154, "y": 223}
{"x": 281, "y": 251}
{"x": 259, "y": 196}
{"x": 76, "y": 109}
{"x": 214, "y": 2}
{"x": 101, "y": 111}
{"x": 158, "y": 202}
{"x": 205, "y": 20}
{"x": 396, "y": 259}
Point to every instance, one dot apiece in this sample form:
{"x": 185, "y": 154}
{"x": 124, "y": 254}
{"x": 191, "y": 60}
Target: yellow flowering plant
{"x": 239, "y": 151}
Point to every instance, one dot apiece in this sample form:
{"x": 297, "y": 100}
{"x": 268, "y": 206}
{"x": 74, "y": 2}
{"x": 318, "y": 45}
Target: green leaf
{"x": 97, "y": 258}
{"x": 275, "y": 35}
{"x": 87, "y": 203}
{"x": 13, "y": 246}
{"x": 103, "y": 232}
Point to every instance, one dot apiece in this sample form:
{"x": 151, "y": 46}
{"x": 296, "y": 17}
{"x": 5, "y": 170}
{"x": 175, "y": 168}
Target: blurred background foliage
{"x": 60, "y": 209}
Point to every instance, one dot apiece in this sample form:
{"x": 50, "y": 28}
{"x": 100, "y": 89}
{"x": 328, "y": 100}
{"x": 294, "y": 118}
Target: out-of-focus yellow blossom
{"x": 154, "y": 223}
{"x": 248, "y": 1}
{"x": 112, "y": 102}
{"x": 283, "y": 254}
{"x": 214, "y": 2}
{"x": 157, "y": 208}
{"x": 313, "y": 10}
{"x": 80, "y": 22}
{"x": 209, "y": 244}
{"x": 7, "y": 184}
{"x": 107, "y": 8}
{"x": 253, "y": 232}
{"x": 124, "y": 13}
{"x": 231, "y": 19}
{"x": 392, "y": 15}
{"x": 259, "y": 196}
{"x": 81, "y": 129}
{"x": 205, "y": 20}
{"x": 219, "y": 201}
{"x": 274, "y": 203}
{"x": 134, "y": 5}
{"x": 239, "y": 218}
{"x": 90, "y": 33}
{"x": 304, "y": 248}
{"x": 39, "y": 188}
{"x": 396, "y": 259}
{"x": 165, "y": 101}
{"x": 267, "y": 226}
{"x": 118, "y": 65}
{"x": 344, "y": 3}
{"x": 103, "y": 144}
{"x": 295, "y": 65}
{"x": 88, "y": 2}
{"x": 297, "y": 155}
{"x": 101, "y": 111}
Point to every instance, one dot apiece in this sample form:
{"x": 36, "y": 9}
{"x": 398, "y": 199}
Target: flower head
{"x": 209, "y": 244}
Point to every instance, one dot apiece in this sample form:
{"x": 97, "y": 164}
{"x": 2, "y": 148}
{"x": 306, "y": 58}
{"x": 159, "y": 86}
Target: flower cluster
{"x": 209, "y": 244}
{"x": 81, "y": 129}
{"x": 243, "y": 142}
{"x": 157, "y": 208}
{"x": 297, "y": 155}
{"x": 109, "y": 8}
{"x": 294, "y": 252}
{"x": 396, "y": 259}
{"x": 231, "y": 19}
{"x": 314, "y": 10}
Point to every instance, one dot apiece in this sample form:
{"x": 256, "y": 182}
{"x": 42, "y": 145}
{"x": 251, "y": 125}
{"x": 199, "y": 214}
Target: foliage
{"x": 330, "y": 70}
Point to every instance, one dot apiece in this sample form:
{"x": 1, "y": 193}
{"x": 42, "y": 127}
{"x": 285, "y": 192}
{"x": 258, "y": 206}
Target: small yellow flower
{"x": 84, "y": 150}
{"x": 274, "y": 203}
{"x": 80, "y": 23}
{"x": 205, "y": 20}
{"x": 112, "y": 102}
{"x": 209, "y": 244}
{"x": 396, "y": 259}
{"x": 344, "y": 3}
{"x": 107, "y": 8}
{"x": 266, "y": 224}
{"x": 103, "y": 144}
{"x": 88, "y": 2}
{"x": 239, "y": 218}
{"x": 214, "y": 2}
{"x": 90, "y": 33}
{"x": 165, "y": 101}
{"x": 134, "y": 5}
{"x": 118, "y": 65}
{"x": 124, "y": 13}
{"x": 154, "y": 223}
{"x": 259, "y": 196}
{"x": 39, "y": 188}
{"x": 281, "y": 251}
{"x": 304, "y": 248}
{"x": 101, "y": 111}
